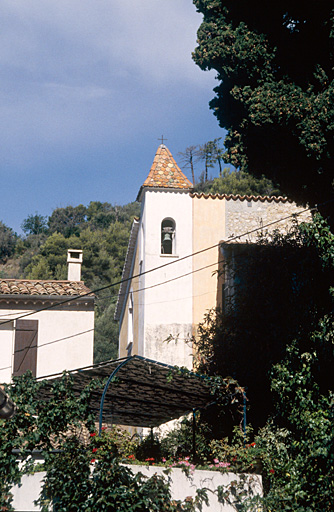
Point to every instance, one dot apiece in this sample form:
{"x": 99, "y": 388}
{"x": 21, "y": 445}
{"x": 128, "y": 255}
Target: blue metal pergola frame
{"x": 171, "y": 369}
{"x": 111, "y": 377}
{"x": 140, "y": 392}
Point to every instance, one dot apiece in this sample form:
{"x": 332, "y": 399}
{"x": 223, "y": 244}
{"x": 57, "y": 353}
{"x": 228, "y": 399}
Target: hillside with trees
{"x": 101, "y": 231}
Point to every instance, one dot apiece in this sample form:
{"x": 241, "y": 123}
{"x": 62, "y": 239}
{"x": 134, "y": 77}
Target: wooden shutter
{"x": 25, "y": 352}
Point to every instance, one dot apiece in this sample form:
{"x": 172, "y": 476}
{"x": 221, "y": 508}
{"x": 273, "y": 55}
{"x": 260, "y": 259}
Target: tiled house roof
{"x": 165, "y": 173}
{"x": 28, "y": 288}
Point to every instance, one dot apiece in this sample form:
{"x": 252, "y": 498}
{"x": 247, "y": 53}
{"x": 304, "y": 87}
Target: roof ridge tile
{"x": 238, "y": 197}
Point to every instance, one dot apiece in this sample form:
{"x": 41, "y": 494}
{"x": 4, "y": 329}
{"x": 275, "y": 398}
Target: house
{"x": 46, "y": 326}
{"x": 170, "y": 277}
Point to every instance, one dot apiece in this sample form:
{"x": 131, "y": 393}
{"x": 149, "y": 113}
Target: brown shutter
{"x": 25, "y": 353}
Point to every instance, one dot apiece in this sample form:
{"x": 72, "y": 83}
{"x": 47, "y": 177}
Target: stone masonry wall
{"x": 247, "y": 215}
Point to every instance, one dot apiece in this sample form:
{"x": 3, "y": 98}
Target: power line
{"x": 155, "y": 285}
{"x": 90, "y": 293}
{"x": 152, "y": 286}
{"x": 28, "y": 347}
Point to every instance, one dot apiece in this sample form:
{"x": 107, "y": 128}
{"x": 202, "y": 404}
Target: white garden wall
{"x": 181, "y": 486}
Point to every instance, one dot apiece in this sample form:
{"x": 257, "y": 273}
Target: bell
{"x": 167, "y": 238}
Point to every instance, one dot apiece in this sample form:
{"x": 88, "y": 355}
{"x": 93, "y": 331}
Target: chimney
{"x": 74, "y": 261}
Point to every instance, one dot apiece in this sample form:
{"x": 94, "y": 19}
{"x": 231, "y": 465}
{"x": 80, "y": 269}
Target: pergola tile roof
{"x": 29, "y": 287}
{"x": 165, "y": 173}
{"x": 143, "y": 393}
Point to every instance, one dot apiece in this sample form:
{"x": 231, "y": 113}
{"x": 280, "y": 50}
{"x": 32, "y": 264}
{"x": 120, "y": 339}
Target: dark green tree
{"x": 7, "y": 242}
{"x": 34, "y": 224}
{"x": 275, "y": 94}
{"x": 67, "y": 221}
{"x": 238, "y": 183}
{"x": 102, "y": 215}
{"x": 102, "y": 232}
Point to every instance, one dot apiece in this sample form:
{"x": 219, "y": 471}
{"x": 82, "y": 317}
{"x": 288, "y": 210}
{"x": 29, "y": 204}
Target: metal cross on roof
{"x": 162, "y": 139}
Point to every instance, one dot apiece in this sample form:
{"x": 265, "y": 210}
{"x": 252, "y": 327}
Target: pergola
{"x": 140, "y": 392}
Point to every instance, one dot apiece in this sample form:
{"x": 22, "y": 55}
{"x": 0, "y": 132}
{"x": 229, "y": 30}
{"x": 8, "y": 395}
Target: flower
{"x": 253, "y": 444}
{"x": 272, "y": 471}
{"x": 131, "y": 457}
{"x": 92, "y": 460}
{"x": 92, "y": 434}
{"x": 94, "y": 450}
{"x": 163, "y": 459}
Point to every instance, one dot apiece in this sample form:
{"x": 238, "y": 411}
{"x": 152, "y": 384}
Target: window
{"x": 168, "y": 236}
{"x": 25, "y": 351}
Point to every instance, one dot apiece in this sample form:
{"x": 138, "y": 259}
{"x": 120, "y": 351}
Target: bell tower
{"x": 162, "y": 297}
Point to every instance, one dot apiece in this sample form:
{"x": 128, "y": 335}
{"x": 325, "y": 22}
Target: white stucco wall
{"x": 7, "y": 349}
{"x": 65, "y": 339}
{"x": 182, "y": 486}
{"x": 73, "y": 352}
{"x": 167, "y": 308}
{"x": 29, "y": 490}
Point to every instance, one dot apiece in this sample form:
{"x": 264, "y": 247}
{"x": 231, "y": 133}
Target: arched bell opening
{"x": 167, "y": 236}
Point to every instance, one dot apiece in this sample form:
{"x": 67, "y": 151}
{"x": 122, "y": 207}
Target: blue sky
{"x": 86, "y": 89}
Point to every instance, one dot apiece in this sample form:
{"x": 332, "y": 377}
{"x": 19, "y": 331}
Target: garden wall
{"x": 181, "y": 486}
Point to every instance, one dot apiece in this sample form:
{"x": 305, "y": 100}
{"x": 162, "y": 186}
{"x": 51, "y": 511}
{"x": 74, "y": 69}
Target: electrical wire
{"x": 48, "y": 343}
{"x": 159, "y": 267}
{"x": 90, "y": 293}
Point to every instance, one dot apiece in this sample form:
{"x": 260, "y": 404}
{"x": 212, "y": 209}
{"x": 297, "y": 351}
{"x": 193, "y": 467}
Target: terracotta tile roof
{"x": 165, "y": 173}
{"x": 237, "y": 197}
{"x": 38, "y": 287}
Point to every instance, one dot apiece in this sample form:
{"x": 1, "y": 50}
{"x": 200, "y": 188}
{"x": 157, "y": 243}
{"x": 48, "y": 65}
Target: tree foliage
{"x": 276, "y": 336}
{"x": 83, "y": 470}
{"x": 34, "y": 224}
{"x": 229, "y": 181}
{"x": 7, "y": 242}
{"x": 266, "y": 310}
{"x": 102, "y": 231}
{"x": 188, "y": 158}
{"x": 238, "y": 183}
{"x": 275, "y": 94}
